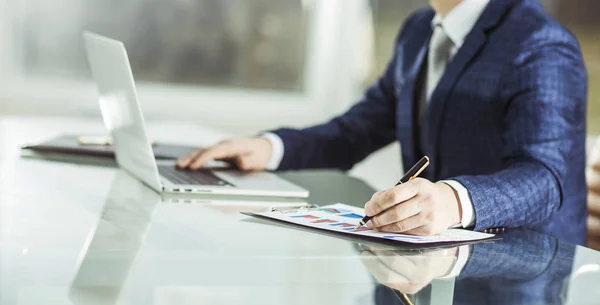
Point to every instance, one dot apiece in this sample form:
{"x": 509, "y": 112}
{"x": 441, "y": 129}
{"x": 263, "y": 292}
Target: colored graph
{"x": 343, "y": 225}
{"x": 352, "y": 215}
{"x": 359, "y": 229}
{"x": 335, "y": 211}
{"x": 323, "y": 221}
{"x": 305, "y": 216}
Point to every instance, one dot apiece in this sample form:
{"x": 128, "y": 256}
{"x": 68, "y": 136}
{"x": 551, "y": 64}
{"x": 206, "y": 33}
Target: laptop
{"x": 123, "y": 118}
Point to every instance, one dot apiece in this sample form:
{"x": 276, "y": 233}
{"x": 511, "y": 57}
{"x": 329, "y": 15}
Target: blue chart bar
{"x": 352, "y": 215}
{"x": 403, "y": 237}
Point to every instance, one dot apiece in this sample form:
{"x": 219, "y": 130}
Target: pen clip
{"x": 420, "y": 170}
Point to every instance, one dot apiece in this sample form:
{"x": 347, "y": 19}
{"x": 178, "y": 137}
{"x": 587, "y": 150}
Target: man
{"x": 494, "y": 92}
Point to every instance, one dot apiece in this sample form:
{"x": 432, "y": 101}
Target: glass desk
{"x": 88, "y": 233}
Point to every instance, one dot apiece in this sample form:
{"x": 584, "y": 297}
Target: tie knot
{"x": 440, "y": 38}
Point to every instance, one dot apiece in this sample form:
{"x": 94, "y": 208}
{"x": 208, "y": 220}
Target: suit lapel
{"x": 465, "y": 56}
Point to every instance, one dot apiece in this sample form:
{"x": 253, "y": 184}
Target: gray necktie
{"x": 440, "y": 52}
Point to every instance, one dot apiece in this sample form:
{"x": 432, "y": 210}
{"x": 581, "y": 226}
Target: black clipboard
{"x": 73, "y": 145}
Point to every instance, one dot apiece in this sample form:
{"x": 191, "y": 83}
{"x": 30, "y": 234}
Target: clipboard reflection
{"x": 113, "y": 246}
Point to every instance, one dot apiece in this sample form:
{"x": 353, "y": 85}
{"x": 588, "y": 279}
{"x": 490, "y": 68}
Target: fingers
{"x": 424, "y": 230}
{"x": 593, "y": 224}
{"x": 382, "y": 273}
{"x": 401, "y": 264}
{"x": 594, "y": 204}
{"x": 244, "y": 162}
{"x": 185, "y": 162}
{"x": 223, "y": 150}
{"x": 382, "y": 201}
{"x": 394, "y": 278}
{"x": 220, "y": 151}
{"x": 404, "y": 226}
{"x": 594, "y": 243}
{"x": 246, "y": 154}
{"x": 396, "y": 213}
{"x": 593, "y": 179}
{"x": 595, "y": 166}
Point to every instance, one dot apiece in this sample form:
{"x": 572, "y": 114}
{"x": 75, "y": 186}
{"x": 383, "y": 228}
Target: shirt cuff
{"x": 468, "y": 213}
{"x": 276, "y": 152}
{"x": 461, "y": 261}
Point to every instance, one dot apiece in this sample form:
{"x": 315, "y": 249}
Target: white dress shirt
{"x": 457, "y": 24}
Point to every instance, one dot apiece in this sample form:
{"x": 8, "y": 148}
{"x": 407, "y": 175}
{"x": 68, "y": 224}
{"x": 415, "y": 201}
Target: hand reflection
{"x": 408, "y": 272}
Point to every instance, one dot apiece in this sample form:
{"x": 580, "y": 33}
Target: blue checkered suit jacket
{"x": 507, "y": 120}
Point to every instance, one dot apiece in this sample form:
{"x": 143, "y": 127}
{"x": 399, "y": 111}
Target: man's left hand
{"x": 418, "y": 207}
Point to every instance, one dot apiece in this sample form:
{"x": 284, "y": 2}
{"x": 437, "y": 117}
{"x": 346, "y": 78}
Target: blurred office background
{"x": 238, "y": 65}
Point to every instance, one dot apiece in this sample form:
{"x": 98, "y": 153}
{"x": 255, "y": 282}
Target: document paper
{"x": 344, "y": 218}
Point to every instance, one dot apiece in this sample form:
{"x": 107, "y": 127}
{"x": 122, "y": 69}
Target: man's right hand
{"x": 251, "y": 154}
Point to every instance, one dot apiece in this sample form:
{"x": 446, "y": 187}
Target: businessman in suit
{"x": 493, "y": 91}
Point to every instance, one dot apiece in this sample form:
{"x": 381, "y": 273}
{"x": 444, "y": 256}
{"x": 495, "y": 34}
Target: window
{"x": 257, "y": 44}
{"x": 225, "y": 63}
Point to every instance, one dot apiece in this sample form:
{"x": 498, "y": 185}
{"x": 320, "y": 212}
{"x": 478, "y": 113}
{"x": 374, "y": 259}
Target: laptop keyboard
{"x": 200, "y": 177}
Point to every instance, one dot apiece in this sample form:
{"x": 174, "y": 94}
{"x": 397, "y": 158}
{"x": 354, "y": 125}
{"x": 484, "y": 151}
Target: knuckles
{"x": 420, "y": 182}
{"x": 396, "y": 213}
{"x": 397, "y": 227}
{"x": 375, "y": 196}
{"x": 244, "y": 164}
{"x": 389, "y": 196}
{"x": 375, "y": 222}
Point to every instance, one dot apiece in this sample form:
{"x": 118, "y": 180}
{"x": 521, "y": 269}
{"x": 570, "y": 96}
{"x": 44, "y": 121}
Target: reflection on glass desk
{"x": 83, "y": 234}
{"x": 523, "y": 268}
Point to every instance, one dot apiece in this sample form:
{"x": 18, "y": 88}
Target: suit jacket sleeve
{"x": 544, "y": 123}
{"x": 345, "y": 140}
